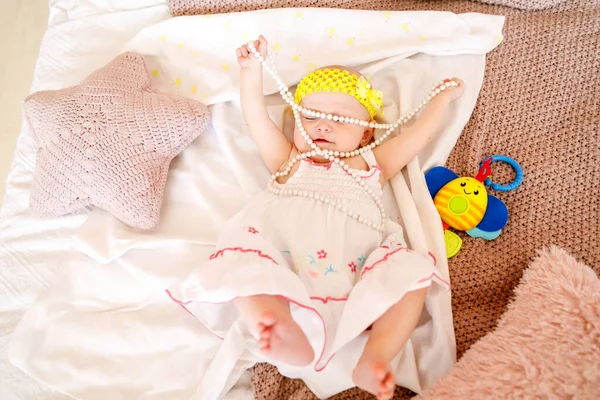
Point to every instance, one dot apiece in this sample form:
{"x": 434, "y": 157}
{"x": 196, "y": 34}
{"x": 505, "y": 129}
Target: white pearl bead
{"x": 329, "y": 116}
{"x": 335, "y": 117}
{"x": 309, "y": 141}
{"x": 377, "y": 142}
{"x": 346, "y": 167}
{"x": 336, "y": 153}
{"x": 313, "y": 146}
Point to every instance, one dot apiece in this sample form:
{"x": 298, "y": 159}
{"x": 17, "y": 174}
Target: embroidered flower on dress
{"x": 352, "y": 266}
{"x": 252, "y": 230}
{"x": 322, "y": 254}
{"x": 361, "y": 260}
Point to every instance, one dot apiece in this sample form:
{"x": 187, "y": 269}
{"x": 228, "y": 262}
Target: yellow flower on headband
{"x": 374, "y": 97}
{"x": 341, "y": 81}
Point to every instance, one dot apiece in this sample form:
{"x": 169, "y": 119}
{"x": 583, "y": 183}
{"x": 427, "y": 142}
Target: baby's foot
{"x": 374, "y": 375}
{"x": 281, "y": 338}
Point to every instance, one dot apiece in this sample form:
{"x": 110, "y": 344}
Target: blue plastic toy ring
{"x": 511, "y": 186}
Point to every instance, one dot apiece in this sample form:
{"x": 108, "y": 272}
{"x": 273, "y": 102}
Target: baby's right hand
{"x": 245, "y": 57}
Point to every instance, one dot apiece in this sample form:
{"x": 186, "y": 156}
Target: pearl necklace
{"x": 335, "y": 156}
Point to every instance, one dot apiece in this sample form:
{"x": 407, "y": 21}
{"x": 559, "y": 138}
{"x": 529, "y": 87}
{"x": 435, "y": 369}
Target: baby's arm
{"x": 272, "y": 144}
{"x": 394, "y": 154}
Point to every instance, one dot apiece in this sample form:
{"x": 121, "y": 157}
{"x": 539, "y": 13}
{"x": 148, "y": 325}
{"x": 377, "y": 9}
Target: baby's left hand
{"x": 453, "y": 92}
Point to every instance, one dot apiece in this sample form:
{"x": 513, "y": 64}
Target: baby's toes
{"x": 388, "y": 382}
{"x": 385, "y": 395}
{"x": 264, "y": 344}
{"x": 266, "y": 334}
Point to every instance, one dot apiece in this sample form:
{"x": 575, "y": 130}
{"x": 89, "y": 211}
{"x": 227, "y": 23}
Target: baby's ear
{"x": 367, "y": 136}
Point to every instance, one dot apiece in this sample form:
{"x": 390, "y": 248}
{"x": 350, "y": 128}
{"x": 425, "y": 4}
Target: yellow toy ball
{"x": 462, "y": 203}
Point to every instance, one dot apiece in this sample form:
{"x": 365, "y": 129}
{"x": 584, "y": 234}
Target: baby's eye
{"x": 463, "y": 184}
{"x": 476, "y": 192}
{"x": 309, "y": 118}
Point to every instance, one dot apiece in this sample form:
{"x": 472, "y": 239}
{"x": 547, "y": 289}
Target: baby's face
{"x": 329, "y": 134}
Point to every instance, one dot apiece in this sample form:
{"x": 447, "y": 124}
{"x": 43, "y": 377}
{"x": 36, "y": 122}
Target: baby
{"x": 312, "y": 266}
{"x": 280, "y": 337}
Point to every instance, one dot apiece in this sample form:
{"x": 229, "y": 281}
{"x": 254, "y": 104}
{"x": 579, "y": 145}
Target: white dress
{"x": 339, "y": 274}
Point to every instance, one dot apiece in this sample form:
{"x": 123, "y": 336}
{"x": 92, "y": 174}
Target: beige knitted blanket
{"x": 539, "y": 104}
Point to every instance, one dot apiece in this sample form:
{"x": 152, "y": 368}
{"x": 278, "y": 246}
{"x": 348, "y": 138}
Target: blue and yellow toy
{"x": 465, "y": 205}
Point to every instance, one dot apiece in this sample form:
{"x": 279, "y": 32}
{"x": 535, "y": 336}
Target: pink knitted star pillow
{"x": 108, "y": 142}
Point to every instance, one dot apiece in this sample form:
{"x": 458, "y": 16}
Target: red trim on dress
{"x": 258, "y": 252}
{"x": 327, "y": 299}
{"x": 434, "y": 259}
{"x": 183, "y": 305}
{"x": 381, "y": 260}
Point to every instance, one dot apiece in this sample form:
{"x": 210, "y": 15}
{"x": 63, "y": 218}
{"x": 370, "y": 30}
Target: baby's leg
{"x": 280, "y": 337}
{"x": 389, "y": 334}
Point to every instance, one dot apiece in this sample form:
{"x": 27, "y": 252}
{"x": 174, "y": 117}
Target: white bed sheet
{"x": 81, "y": 36}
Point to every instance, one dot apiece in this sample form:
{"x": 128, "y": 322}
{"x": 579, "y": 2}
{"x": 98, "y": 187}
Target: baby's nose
{"x": 323, "y": 126}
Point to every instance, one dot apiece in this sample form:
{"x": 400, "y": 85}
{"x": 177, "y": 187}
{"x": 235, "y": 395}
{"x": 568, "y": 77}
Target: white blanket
{"x": 106, "y": 329}
{"x": 81, "y": 36}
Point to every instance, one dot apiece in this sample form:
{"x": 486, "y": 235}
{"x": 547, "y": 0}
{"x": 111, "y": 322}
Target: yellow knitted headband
{"x": 341, "y": 81}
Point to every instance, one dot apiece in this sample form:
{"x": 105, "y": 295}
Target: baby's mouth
{"x": 322, "y": 141}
